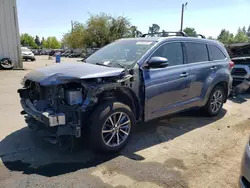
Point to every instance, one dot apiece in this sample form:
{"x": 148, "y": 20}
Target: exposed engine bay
{"x": 66, "y": 106}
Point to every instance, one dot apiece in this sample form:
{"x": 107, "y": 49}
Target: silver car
{"x": 245, "y": 168}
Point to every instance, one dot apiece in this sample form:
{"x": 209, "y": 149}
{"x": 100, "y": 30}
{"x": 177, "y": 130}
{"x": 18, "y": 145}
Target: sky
{"x": 53, "y": 17}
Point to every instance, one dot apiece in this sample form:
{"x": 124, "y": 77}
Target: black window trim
{"x": 167, "y": 42}
{"x": 195, "y": 42}
{"x": 220, "y": 50}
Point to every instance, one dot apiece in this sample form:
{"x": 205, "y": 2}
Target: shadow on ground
{"x": 26, "y": 152}
{"x": 240, "y": 98}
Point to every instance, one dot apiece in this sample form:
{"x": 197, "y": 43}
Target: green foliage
{"x": 241, "y": 36}
{"x": 190, "y": 31}
{"x": 37, "y": 41}
{"x": 154, "y": 28}
{"x": 75, "y": 38}
{"x": 135, "y": 32}
{"x": 28, "y": 40}
{"x": 99, "y": 30}
{"x": 51, "y": 43}
{"x": 248, "y": 31}
{"x": 226, "y": 37}
{"x": 244, "y": 30}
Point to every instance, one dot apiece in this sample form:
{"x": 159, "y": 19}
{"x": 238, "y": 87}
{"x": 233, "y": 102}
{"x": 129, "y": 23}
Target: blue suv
{"x": 130, "y": 80}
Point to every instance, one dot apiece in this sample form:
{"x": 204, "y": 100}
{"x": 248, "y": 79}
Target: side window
{"x": 216, "y": 53}
{"x": 171, "y": 51}
{"x": 196, "y": 52}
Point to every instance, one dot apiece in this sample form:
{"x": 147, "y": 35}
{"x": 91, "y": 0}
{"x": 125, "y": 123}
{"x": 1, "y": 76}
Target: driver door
{"x": 166, "y": 88}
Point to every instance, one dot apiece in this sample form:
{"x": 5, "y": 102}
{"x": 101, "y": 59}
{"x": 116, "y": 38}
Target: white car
{"x": 27, "y": 54}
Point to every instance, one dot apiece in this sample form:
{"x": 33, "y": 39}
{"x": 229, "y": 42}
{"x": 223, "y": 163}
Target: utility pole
{"x": 183, "y": 6}
{"x": 72, "y": 26}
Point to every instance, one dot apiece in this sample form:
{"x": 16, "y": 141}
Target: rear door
{"x": 201, "y": 69}
{"x": 166, "y": 88}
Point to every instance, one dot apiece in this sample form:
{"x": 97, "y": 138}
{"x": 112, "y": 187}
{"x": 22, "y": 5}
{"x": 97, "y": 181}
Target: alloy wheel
{"x": 216, "y": 102}
{"x": 116, "y": 129}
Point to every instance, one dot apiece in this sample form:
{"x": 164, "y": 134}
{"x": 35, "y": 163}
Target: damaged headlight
{"x": 22, "y": 81}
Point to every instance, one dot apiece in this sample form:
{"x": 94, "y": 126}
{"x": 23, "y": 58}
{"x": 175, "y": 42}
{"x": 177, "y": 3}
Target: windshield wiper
{"x": 101, "y": 64}
{"x": 118, "y": 63}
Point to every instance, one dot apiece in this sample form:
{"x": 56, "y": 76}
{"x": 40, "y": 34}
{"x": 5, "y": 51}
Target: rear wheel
{"x": 215, "y": 101}
{"x": 6, "y": 64}
{"x": 111, "y": 126}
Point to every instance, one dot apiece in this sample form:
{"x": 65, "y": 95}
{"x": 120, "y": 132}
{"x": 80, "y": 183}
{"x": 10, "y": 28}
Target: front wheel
{"x": 111, "y": 126}
{"x": 215, "y": 101}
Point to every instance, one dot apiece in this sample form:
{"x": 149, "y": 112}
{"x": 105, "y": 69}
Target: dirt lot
{"x": 186, "y": 150}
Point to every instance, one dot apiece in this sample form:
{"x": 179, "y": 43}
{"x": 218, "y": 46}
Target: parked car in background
{"x": 241, "y": 70}
{"x": 128, "y": 81}
{"x": 76, "y": 53}
{"x": 244, "y": 181}
{"x": 27, "y": 54}
{"x": 240, "y": 54}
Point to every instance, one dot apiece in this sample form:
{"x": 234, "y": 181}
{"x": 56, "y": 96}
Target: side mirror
{"x": 158, "y": 62}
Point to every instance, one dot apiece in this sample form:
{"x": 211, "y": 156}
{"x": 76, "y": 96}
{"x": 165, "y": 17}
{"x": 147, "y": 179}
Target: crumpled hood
{"x": 59, "y": 73}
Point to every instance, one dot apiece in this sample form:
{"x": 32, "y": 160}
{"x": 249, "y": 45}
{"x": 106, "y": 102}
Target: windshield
{"x": 121, "y": 53}
{"x": 25, "y": 49}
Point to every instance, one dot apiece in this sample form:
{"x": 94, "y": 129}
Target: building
{"x": 9, "y": 32}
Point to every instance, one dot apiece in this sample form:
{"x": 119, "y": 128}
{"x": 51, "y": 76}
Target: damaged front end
{"x": 63, "y": 107}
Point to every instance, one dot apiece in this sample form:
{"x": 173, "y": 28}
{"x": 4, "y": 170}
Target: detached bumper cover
{"x": 48, "y": 120}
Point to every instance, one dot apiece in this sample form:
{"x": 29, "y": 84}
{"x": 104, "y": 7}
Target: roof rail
{"x": 166, "y": 34}
{"x": 202, "y": 36}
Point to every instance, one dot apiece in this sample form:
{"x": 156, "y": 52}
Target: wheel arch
{"x": 123, "y": 95}
{"x": 223, "y": 84}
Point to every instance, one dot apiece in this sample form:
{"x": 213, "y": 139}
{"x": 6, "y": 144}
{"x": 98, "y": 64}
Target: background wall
{"x": 9, "y": 32}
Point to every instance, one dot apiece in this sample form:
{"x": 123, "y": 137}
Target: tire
{"x": 213, "y": 108}
{"x": 100, "y": 122}
{"x": 6, "y": 64}
{"x": 33, "y": 60}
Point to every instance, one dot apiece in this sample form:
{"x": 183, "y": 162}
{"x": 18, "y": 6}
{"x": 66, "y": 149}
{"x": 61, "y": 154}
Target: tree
{"x": 37, "y": 41}
{"x": 248, "y": 31}
{"x": 102, "y": 29}
{"x": 28, "y": 40}
{"x": 154, "y": 28}
{"x": 244, "y": 30}
{"x": 75, "y": 38}
{"x": 226, "y": 37}
{"x": 51, "y": 43}
{"x": 98, "y": 30}
{"x": 241, "y": 36}
{"x": 190, "y": 31}
{"x": 135, "y": 32}
{"x": 119, "y": 28}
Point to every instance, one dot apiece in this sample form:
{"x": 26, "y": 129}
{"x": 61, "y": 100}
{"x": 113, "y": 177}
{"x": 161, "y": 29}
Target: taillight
{"x": 231, "y": 65}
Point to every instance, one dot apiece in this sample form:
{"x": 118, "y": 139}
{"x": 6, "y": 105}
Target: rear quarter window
{"x": 216, "y": 53}
{"x": 196, "y": 52}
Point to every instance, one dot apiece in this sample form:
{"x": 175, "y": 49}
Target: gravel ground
{"x": 185, "y": 150}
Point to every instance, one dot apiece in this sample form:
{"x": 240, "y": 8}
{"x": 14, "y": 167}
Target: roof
{"x": 179, "y": 38}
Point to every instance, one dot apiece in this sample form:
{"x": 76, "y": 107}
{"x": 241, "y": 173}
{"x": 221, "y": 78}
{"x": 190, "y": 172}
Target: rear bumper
{"x": 28, "y": 57}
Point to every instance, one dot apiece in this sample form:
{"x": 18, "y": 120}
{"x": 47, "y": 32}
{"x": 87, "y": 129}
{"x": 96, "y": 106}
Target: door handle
{"x": 213, "y": 68}
{"x": 185, "y": 74}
